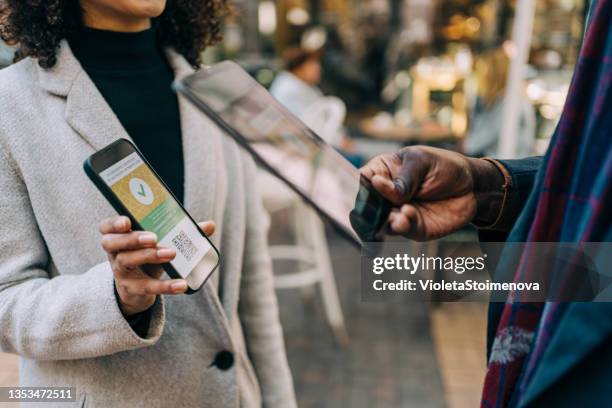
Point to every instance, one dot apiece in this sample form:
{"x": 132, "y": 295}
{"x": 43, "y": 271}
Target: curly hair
{"x": 36, "y": 27}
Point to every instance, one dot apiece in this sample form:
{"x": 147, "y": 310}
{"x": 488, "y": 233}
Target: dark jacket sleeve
{"x": 523, "y": 172}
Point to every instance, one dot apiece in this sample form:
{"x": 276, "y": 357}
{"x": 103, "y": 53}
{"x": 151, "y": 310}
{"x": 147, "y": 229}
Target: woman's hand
{"x": 435, "y": 191}
{"x": 135, "y": 259}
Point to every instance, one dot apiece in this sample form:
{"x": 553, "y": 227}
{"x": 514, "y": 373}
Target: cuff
{"x": 139, "y": 322}
{"x": 119, "y": 335}
{"x": 501, "y": 215}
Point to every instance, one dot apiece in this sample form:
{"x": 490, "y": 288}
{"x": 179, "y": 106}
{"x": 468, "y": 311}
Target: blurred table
{"x": 430, "y": 132}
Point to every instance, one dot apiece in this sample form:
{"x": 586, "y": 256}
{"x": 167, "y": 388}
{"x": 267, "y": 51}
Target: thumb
{"x": 208, "y": 227}
{"x": 410, "y": 175}
{"x": 404, "y": 181}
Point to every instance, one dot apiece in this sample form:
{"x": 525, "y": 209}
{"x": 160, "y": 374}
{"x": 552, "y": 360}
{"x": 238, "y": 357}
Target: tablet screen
{"x": 245, "y": 109}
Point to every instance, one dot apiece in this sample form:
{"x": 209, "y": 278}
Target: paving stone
{"x": 390, "y": 361}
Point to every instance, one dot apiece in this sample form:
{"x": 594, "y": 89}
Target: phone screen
{"x": 156, "y": 210}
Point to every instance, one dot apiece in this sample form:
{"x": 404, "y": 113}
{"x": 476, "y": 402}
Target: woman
{"x": 76, "y": 306}
{"x": 487, "y": 117}
{"x": 297, "y": 87}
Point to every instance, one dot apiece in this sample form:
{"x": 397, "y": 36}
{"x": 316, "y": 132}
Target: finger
{"x": 115, "y": 225}
{"x": 152, "y": 270}
{"x": 127, "y": 260}
{"x": 386, "y": 188}
{"x": 150, "y": 286}
{"x": 410, "y": 175}
{"x": 367, "y": 171}
{"x": 399, "y": 175}
{"x": 124, "y": 242}
{"x": 405, "y": 221}
{"x": 399, "y": 223}
{"x": 376, "y": 166}
{"x": 208, "y": 227}
{"x": 409, "y": 211}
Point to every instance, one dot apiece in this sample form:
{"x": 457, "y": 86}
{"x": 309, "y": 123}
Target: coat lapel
{"x": 200, "y": 150}
{"x": 86, "y": 110}
{"x": 92, "y": 118}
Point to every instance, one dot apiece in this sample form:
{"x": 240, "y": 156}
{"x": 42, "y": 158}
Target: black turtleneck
{"x": 131, "y": 72}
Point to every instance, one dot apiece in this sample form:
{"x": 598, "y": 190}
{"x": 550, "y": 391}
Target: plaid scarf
{"x": 571, "y": 202}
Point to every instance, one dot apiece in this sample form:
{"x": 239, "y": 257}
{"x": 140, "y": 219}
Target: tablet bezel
{"x": 184, "y": 87}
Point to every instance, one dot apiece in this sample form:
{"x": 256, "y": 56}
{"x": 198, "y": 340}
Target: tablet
{"x": 287, "y": 148}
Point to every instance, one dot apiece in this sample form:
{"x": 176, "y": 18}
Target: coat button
{"x": 224, "y": 360}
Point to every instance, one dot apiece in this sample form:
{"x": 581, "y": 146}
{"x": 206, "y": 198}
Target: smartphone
{"x": 371, "y": 212}
{"x": 134, "y": 189}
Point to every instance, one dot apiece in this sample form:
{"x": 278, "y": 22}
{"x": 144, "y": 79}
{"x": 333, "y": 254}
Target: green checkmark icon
{"x": 141, "y": 192}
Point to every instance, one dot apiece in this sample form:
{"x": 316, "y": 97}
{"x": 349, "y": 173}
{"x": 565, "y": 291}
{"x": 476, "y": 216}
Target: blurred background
{"x": 370, "y": 76}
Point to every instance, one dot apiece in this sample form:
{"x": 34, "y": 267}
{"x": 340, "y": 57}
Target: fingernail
{"x": 165, "y": 253}
{"x": 147, "y": 238}
{"x": 120, "y": 223}
{"x": 179, "y": 287}
{"x": 399, "y": 186}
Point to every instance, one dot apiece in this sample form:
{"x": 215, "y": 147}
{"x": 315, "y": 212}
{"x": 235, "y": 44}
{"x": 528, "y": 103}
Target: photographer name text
{"x": 411, "y": 265}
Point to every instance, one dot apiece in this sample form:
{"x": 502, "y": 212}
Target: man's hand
{"x": 435, "y": 191}
{"x": 135, "y": 259}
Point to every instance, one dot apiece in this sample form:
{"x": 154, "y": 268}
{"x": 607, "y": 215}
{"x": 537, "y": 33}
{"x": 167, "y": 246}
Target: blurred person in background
{"x": 6, "y": 54}
{"x": 483, "y": 135}
{"x": 296, "y": 87}
{"x": 343, "y": 73}
{"x": 540, "y": 354}
{"x": 81, "y": 301}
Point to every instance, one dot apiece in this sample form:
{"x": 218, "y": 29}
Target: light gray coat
{"x": 58, "y": 311}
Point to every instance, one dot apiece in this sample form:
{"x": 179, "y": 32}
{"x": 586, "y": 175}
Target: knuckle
{"x": 106, "y": 243}
{"x": 121, "y": 259}
{"x": 366, "y": 169}
{"x": 128, "y": 289}
{"x": 147, "y": 289}
{"x": 154, "y": 287}
{"x": 120, "y": 285}
{"x": 117, "y": 269}
{"x": 133, "y": 239}
{"x": 411, "y": 152}
{"x": 102, "y": 225}
{"x": 407, "y": 152}
{"x": 398, "y": 157}
{"x": 131, "y": 263}
{"x": 151, "y": 254}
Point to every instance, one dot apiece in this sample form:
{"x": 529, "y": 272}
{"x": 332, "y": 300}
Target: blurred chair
{"x": 326, "y": 117}
{"x": 309, "y": 251}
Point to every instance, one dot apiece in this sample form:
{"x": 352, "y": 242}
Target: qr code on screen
{"x": 184, "y": 245}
